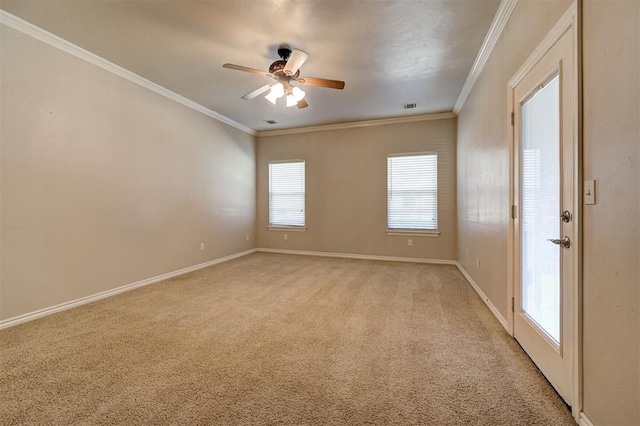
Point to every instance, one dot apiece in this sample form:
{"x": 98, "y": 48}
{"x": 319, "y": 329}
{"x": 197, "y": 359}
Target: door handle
{"x": 565, "y": 242}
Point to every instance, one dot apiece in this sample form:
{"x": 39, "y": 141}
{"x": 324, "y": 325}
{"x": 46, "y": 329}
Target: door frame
{"x": 569, "y": 22}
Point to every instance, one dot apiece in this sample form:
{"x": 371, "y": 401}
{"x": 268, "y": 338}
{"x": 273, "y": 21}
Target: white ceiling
{"x": 388, "y": 52}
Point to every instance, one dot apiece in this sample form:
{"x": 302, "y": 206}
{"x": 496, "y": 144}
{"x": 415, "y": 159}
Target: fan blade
{"x": 322, "y": 82}
{"x": 257, "y": 92}
{"x": 302, "y": 104}
{"x": 297, "y": 58}
{"x": 245, "y": 69}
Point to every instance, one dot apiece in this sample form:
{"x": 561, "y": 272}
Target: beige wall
{"x": 104, "y": 183}
{"x": 483, "y": 151}
{"x": 612, "y": 226}
{"x": 346, "y": 206}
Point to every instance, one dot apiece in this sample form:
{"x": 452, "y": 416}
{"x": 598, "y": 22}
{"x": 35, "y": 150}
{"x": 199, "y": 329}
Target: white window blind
{"x": 286, "y": 194}
{"x": 412, "y": 192}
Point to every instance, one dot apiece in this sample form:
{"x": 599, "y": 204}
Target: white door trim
{"x": 570, "y": 21}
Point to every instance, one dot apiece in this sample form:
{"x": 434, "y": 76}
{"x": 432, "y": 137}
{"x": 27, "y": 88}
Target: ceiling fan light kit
{"x": 271, "y": 97}
{"x": 285, "y": 71}
{"x": 291, "y": 101}
{"x": 298, "y": 93}
{"x": 277, "y": 91}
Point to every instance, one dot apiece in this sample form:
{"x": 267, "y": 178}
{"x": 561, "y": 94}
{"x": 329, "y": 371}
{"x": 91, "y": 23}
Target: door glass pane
{"x": 541, "y": 208}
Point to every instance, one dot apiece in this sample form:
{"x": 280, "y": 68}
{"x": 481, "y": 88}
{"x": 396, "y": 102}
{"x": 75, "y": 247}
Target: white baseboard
{"x": 108, "y": 293}
{"x": 484, "y": 297}
{"x": 358, "y": 256}
{"x": 583, "y": 420}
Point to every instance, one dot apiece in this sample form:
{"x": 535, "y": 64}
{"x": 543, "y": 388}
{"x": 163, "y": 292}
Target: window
{"x": 286, "y": 194}
{"x": 412, "y": 192}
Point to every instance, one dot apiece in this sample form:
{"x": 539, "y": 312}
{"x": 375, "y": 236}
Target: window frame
{"x": 278, "y": 227}
{"x": 413, "y": 232}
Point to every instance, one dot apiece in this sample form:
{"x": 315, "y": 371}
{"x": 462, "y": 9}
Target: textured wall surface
{"x": 483, "y": 151}
{"x": 346, "y": 192}
{"x": 105, "y": 183}
{"x": 611, "y": 227}
{"x": 611, "y": 143}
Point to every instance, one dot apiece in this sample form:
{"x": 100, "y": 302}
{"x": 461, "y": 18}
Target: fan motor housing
{"x": 277, "y": 69}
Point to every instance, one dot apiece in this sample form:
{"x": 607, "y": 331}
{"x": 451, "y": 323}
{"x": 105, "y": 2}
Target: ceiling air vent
{"x": 270, "y": 121}
{"x": 409, "y": 106}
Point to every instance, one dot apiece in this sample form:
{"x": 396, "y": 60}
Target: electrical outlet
{"x": 285, "y": 237}
{"x": 478, "y": 262}
{"x": 247, "y": 237}
{"x": 410, "y": 243}
{"x": 201, "y": 246}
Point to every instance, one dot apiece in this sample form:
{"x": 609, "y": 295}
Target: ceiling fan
{"x": 286, "y": 71}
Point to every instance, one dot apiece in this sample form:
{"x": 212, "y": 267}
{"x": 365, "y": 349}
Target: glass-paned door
{"x": 545, "y": 196}
{"x": 540, "y": 204}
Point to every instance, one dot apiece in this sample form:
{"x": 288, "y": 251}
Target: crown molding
{"x": 490, "y": 40}
{"x": 38, "y": 33}
{"x": 356, "y": 124}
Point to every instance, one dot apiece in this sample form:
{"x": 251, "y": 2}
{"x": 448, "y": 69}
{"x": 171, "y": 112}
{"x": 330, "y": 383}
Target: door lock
{"x": 565, "y": 242}
{"x": 566, "y": 216}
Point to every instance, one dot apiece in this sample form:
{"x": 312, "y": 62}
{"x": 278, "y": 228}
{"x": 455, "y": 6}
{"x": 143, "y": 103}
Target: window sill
{"x": 287, "y": 228}
{"x": 412, "y": 233}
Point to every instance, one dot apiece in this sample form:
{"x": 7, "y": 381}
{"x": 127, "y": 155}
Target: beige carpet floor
{"x": 278, "y": 339}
